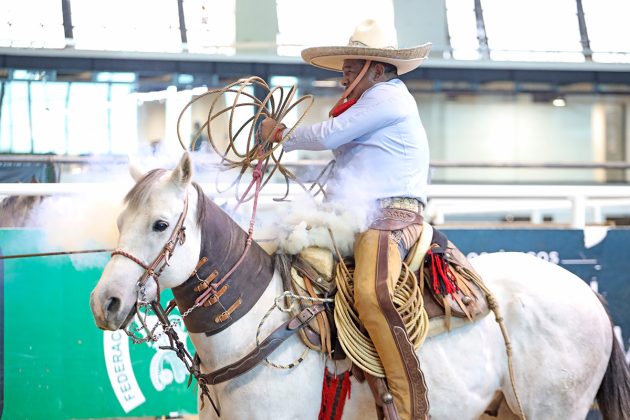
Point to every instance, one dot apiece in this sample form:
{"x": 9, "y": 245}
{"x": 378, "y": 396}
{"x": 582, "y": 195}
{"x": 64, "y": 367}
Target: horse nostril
{"x": 112, "y": 304}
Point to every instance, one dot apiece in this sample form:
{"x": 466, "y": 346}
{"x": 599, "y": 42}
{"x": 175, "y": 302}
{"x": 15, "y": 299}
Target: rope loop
{"x": 244, "y": 150}
{"x": 286, "y": 302}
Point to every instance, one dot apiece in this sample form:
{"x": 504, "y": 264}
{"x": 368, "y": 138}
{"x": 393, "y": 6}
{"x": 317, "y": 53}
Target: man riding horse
{"x": 381, "y": 149}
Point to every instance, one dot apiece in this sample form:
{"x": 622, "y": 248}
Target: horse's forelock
{"x": 141, "y": 191}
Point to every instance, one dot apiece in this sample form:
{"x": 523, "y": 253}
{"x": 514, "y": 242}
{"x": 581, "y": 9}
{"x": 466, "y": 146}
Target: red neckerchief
{"x": 343, "y": 103}
{"x": 342, "y": 107}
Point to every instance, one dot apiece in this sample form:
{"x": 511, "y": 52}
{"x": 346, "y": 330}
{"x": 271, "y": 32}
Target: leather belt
{"x": 395, "y": 219}
{"x": 403, "y": 203}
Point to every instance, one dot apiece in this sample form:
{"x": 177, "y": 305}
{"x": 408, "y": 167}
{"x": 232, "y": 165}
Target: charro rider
{"x": 381, "y": 147}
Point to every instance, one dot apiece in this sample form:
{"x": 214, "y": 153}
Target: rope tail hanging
{"x": 245, "y": 150}
{"x": 494, "y": 307}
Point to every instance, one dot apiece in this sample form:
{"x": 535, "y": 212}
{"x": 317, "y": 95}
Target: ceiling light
{"x": 559, "y": 102}
{"x": 326, "y": 83}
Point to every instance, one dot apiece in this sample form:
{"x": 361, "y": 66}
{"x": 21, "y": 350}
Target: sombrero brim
{"x": 331, "y": 58}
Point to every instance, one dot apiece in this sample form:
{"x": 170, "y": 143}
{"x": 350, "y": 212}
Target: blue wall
{"x": 607, "y": 262}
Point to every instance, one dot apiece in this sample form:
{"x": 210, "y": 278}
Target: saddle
{"x": 449, "y": 285}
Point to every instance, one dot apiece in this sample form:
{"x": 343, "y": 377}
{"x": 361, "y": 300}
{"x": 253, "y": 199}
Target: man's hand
{"x": 270, "y": 129}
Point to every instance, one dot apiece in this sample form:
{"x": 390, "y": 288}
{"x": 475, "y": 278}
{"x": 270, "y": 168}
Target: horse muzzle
{"x": 109, "y": 312}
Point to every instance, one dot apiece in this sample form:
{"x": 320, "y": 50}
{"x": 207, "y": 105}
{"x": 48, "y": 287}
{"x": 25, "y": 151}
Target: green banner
{"x": 57, "y": 364}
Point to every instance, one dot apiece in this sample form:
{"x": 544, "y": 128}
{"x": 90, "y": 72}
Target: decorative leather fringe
{"x": 335, "y": 391}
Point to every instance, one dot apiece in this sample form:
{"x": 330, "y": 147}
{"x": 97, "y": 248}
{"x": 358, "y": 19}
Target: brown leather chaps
{"x": 377, "y": 268}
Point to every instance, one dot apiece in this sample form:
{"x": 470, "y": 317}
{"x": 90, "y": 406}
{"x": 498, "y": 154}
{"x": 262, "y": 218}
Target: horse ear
{"x": 182, "y": 174}
{"x": 134, "y": 169}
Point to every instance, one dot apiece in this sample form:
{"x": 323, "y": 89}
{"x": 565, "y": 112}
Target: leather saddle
{"x": 433, "y": 255}
{"x": 467, "y": 300}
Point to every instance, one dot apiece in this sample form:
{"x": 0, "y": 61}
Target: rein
{"x": 52, "y": 254}
{"x": 178, "y": 236}
{"x": 214, "y": 287}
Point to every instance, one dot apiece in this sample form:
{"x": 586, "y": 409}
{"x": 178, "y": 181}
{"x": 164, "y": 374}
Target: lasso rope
{"x": 494, "y": 307}
{"x": 290, "y": 307}
{"x": 357, "y": 344}
{"x": 275, "y": 105}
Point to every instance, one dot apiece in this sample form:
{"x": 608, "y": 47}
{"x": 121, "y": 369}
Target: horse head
{"x": 158, "y": 245}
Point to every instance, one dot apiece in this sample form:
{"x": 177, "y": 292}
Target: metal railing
{"x": 445, "y": 200}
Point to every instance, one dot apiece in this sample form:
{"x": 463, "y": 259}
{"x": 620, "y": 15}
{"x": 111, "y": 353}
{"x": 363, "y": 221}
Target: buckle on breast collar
{"x": 308, "y": 314}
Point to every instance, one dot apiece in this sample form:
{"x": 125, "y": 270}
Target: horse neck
{"x": 238, "y": 273}
{"x": 223, "y": 242}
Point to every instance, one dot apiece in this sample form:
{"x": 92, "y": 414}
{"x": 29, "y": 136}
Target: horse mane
{"x": 140, "y": 193}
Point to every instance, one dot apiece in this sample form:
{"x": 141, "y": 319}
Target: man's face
{"x": 351, "y": 69}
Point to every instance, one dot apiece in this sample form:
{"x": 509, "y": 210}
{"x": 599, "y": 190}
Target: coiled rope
{"x": 355, "y": 341}
{"x": 277, "y": 105}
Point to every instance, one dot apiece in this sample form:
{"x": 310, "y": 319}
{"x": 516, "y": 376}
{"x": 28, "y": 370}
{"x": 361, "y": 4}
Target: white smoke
{"x": 306, "y": 222}
{"x": 88, "y": 221}
{"x": 78, "y": 223}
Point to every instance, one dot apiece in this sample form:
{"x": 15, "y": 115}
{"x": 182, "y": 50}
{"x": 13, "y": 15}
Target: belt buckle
{"x": 307, "y": 314}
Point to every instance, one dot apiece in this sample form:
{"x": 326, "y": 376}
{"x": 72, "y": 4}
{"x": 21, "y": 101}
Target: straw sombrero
{"x": 370, "y": 41}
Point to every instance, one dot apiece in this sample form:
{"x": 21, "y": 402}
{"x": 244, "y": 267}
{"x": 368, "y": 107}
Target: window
{"x": 608, "y": 29}
{"x": 16, "y": 126}
{"x": 462, "y": 29}
{"x": 48, "y": 111}
{"x": 210, "y": 26}
{"x": 87, "y": 119}
{"x": 31, "y": 23}
{"x": 329, "y": 23}
{"x": 123, "y": 119}
{"x": 533, "y": 30}
{"x": 139, "y": 25}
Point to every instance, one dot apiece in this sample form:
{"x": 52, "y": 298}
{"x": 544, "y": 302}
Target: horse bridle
{"x": 193, "y": 364}
{"x": 178, "y": 237}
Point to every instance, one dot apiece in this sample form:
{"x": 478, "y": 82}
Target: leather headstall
{"x": 178, "y": 236}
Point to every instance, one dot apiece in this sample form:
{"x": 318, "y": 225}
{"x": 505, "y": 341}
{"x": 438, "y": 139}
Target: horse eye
{"x": 160, "y": 226}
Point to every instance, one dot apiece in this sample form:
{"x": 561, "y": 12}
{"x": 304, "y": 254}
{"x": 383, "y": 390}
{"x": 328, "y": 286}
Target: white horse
{"x": 565, "y": 355}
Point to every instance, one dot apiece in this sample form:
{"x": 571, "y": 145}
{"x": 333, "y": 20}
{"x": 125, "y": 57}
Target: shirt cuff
{"x": 289, "y": 144}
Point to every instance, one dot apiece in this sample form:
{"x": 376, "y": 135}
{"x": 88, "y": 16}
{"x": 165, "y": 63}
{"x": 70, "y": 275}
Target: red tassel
{"x": 436, "y": 279}
{"x": 443, "y": 283}
{"x": 335, "y": 391}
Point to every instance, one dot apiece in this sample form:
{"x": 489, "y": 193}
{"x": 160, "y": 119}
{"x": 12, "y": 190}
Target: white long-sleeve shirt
{"x": 379, "y": 143}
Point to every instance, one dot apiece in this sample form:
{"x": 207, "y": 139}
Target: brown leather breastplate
{"x": 223, "y": 242}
